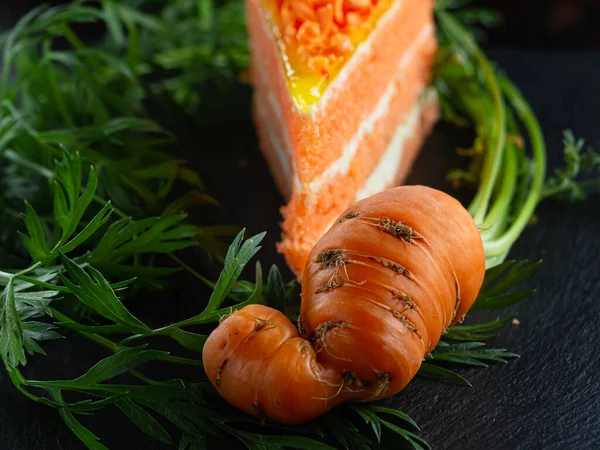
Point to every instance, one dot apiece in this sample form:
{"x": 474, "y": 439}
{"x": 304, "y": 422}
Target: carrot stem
{"x": 502, "y": 244}
{"x": 497, "y": 138}
{"x": 497, "y": 218}
{"x": 114, "y": 347}
{"x": 495, "y": 221}
{"x": 500, "y": 225}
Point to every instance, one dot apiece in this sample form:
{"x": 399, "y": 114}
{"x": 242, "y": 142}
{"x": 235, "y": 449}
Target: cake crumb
{"x": 245, "y": 77}
{"x": 516, "y": 139}
{"x": 516, "y": 322}
{"x": 533, "y": 221}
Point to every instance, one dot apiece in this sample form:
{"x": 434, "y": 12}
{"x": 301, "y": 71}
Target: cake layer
{"x": 318, "y": 133}
{"x": 315, "y": 205}
{"x": 303, "y": 225}
{"x": 399, "y": 97}
{"x": 362, "y": 132}
{"x": 395, "y": 163}
{"x": 392, "y": 168}
{"x": 361, "y": 153}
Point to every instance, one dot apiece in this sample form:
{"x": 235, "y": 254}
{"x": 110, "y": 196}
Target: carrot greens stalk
{"x": 509, "y": 184}
{"x": 492, "y": 109}
{"x": 566, "y": 183}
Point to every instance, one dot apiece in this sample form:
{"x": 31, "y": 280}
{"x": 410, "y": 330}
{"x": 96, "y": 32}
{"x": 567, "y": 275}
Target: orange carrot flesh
{"x": 380, "y": 288}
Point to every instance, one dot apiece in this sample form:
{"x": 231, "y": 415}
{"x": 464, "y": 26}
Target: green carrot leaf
{"x": 40, "y": 331}
{"x": 496, "y": 290}
{"x": 144, "y": 421}
{"x": 477, "y": 332}
{"x": 106, "y": 369}
{"x": 371, "y": 419}
{"x": 92, "y": 227}
{"x": 237, "y": 257}
{"x": 36, "y": 242}
{"x": 90, "y": 406}
{"x": 11, "y": 330}
{"x": 276, "y": 290}
{"x": 502, "y": 301}
{"x": 469, "y": 353}
{"x": 95, "y": 329}
{"x": 114, "y": 24}
{"x": 126, "y": 238}
{"x": 435, "y": 372}
{"x": 86, "y": 436}
{"x": 95, "y": 291}
{"x": 580, "y": 172}
{"x": 192, "y": 341}
{"x": 416, "y": 442}
{"x": 344, "y": 432}
{"x": 392, "y": 412}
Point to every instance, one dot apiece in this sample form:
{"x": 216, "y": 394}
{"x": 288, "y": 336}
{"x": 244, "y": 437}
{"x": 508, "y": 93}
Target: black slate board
{"x": 548, "y": 399}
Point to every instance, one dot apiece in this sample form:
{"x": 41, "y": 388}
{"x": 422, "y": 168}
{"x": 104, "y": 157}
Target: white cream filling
{"x": 385, "y": 172}
{"x": 342, "y": 165}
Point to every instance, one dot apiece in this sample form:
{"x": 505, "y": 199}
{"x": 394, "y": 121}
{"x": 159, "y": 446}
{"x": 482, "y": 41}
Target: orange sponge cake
{"x": 341, "y": 102}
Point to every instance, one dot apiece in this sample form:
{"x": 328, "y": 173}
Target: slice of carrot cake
{"x": 342, "y": 103}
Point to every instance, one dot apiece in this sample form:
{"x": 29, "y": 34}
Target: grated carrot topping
{"x": 320, "y": 29}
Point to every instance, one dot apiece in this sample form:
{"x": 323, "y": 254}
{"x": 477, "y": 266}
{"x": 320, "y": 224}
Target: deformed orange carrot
{"x": 380, "y": 287}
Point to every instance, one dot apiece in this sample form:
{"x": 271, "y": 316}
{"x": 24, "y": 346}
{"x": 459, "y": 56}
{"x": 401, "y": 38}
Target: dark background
{"x": 528, "y": 24}
{"x": 550, "y": 397}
